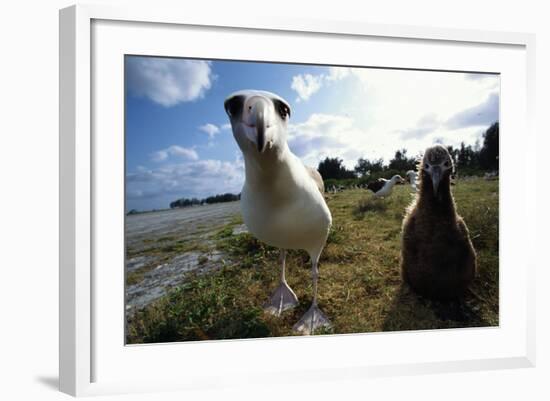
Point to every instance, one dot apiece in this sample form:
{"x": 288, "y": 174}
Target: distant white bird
{"x": 383, "y": 187}
{"x": 492, "y": 175}
{"x": 282, "y": 200}
{"x": 413, "y": 178}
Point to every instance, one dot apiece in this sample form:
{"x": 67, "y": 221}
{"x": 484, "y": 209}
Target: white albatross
{"x": 282, "y": 200}
{"x": 383, "y": 187}
{"x": 412, "y": 177}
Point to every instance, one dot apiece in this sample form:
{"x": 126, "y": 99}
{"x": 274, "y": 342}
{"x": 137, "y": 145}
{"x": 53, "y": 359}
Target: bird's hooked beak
{"x": 435, "y": 174}
{"x": 258, "y": 119}
{"x": 259, "y": 113}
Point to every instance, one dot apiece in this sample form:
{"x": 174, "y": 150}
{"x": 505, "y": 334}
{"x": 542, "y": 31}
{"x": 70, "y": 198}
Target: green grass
{"x": 360, "y": 286}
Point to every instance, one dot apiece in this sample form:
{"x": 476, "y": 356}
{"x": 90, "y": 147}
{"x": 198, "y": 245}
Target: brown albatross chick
{"x": 438, "y": 259}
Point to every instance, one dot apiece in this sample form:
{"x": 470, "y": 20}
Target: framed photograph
{"x": 243, "y": 201}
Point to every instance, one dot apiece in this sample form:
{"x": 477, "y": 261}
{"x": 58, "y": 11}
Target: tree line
{"x": 186, "y": 202}
{"x": 468, "y": 160}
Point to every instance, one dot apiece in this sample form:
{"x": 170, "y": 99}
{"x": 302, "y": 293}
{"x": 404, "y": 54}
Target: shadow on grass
{"x": 215, "y": 324}
{"x": 409, "y": 311}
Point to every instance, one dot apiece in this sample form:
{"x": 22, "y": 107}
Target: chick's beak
{"x": 436, "y": 177}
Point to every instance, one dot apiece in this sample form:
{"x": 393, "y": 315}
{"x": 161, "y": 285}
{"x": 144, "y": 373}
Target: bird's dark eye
{"x": 428, "y": 165}
{"x": 446, "y": 164}
{"x": 234, "y": 106}
{"x": 282, "y": 109}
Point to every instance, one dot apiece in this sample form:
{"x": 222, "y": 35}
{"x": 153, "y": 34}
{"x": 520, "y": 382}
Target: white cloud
{"x": 405, "y": 96}
{"x": 482, "y": 114}
{"x": 337, "y": 73}
{"x": 426, "y": 125}
{"x": 225, "y": 126}
{"x": 199, "y": 179}
{"x": 395, "y": 110}
{"x": 175, "y": 150}
{"x": 479, "y": 77}
{"x": 210, "y": 129}
{"x": 159, "y": 155}
{"x": 410, "y": 109}
{"x": 168, "y": 81}
{"x": 323, "y": 135}
{"x": 306, "y": 85}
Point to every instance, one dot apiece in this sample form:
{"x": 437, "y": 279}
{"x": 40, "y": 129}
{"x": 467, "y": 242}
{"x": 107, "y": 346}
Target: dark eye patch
{"x": 234, "y": 106}
{"x": 282, "y": 108}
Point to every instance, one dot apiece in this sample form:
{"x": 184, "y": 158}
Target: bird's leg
{"x": 283, "y": 297}
{"x": 314, "y": 318}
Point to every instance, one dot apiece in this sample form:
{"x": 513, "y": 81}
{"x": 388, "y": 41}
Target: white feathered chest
{"x": 287, "y": 212}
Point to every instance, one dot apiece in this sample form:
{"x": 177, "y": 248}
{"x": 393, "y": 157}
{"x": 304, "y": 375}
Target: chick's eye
{"x": 428, "y": 166}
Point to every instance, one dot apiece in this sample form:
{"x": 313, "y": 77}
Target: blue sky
{"x": 179, "y": 142}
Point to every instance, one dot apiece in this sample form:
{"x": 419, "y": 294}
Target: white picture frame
{"x": 83, "y": 351}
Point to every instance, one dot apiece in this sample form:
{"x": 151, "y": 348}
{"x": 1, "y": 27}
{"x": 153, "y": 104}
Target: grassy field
{"x": 360, "y": 287}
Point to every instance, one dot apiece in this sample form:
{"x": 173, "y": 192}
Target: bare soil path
{"x": 161, "y": 247}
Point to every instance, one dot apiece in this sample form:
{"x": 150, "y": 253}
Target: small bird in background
{"x": 412, "y": 178}
{"x": 383, "y": 187}
{"x": 282, "y": 200}
{"x": 438, "y": 259}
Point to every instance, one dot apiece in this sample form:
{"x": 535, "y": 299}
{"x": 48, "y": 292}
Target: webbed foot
{"x": 283, "y": 298}
{"x": 313, "y": 319}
